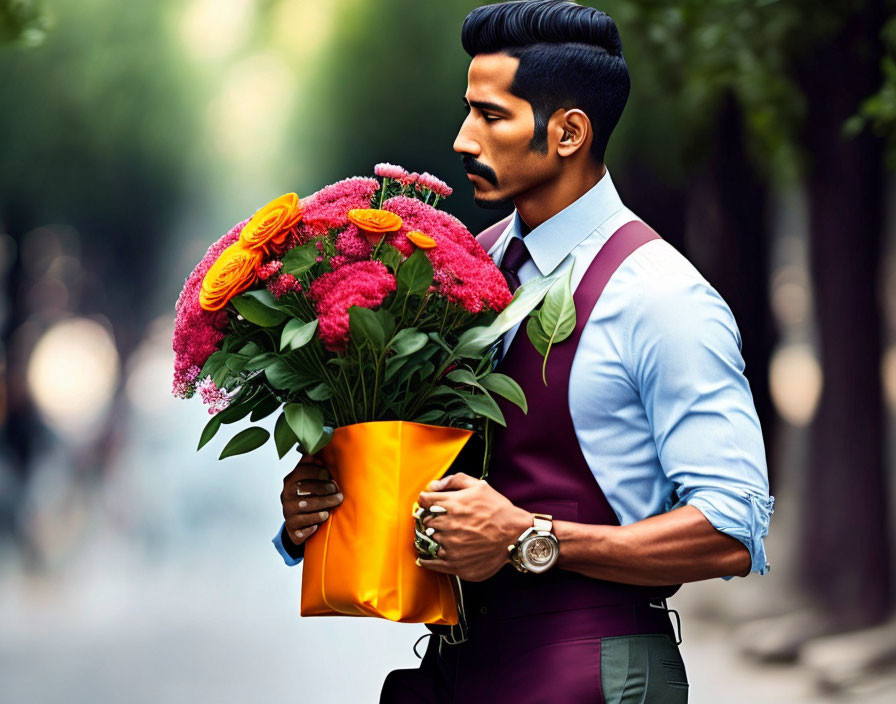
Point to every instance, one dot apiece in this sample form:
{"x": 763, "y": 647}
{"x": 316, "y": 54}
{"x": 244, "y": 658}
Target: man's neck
{"x": 545, "y": 201}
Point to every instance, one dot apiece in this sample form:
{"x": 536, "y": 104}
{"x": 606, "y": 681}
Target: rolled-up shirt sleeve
{"x": 294, "y": 554}
{"x": 686, "y": 352}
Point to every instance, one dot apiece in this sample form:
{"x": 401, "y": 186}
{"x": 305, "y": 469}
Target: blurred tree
{"x": 96, "y": 136}
{"x": 392, "y": 92}
{"x": 803, "y": 75}
{"x": 22, "y": 21}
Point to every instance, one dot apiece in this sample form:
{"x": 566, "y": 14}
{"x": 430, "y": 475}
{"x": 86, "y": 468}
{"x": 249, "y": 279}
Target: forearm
{"x": 672, "y": 548}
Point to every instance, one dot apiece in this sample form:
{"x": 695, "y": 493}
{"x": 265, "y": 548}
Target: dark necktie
{"x": 515, "y": 256}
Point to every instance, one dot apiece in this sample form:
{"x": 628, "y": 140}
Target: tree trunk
{"x": 845, "y": 546}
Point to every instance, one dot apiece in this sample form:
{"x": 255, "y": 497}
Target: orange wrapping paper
{"x": 361, "y": 561}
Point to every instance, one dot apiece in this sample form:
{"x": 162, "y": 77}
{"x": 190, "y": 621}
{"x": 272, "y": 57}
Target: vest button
{"x": 483, "y": 610}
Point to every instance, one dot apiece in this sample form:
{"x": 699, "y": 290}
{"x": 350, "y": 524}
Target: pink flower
{"x": 462, "y": 271}
{"x": 216, "y": 399}
{"x": 409, "y": 179}
{"x": 328, "y": 208}
{"x": 353, "y": 244}
{"x": 387, "y": 170}
{"x": 197, "y": 331}
{"x": 360, "y": 283}
{"x": 266, "y": 271}
{"x": 283, "y": 284}
{"x": 436, "y": 185}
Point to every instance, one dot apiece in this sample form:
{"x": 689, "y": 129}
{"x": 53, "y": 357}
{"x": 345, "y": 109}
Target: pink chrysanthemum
{"x": 216, "y": 399}
{"x": 267, "y": 270}
{"x": 436, "y": 185}
{"x": 283, "y": 284}
{"x": 409, "y": 179}
{"x": 387, "y": 170}
{"x": 463, "y": 272}
{"x": 328, "y": 208}
{"x": 197, "y": 331}
{"x": 353, "y": 244}
{"x": 364, "y": 283}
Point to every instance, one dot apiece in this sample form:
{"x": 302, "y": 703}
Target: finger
{"x": 310, "y": 504}
{"x": 428, "y": 499}
{"x": 300, "y": 535}
{"x": 454, "y": 482}
{"x": 308, "y": 469}
{"x": 439, "y": 523}
{"x": 305, "y": 520}
{"x": 313, "y": 487}
{"x": 438, "y": 566}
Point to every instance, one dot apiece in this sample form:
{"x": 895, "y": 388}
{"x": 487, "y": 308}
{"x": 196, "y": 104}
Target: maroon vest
{"x": 538, "y": 464}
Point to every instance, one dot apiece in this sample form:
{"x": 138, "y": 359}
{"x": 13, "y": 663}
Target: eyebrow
{"x": 485, "y": 105}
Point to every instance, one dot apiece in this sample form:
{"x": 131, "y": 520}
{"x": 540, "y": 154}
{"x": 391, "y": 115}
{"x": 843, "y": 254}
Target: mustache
{"x": 471, "y": 166}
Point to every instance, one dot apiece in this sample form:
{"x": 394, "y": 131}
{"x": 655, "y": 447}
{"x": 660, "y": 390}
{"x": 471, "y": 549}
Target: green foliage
{"x": 259, "y": 307}
{"x": 23, "y": 21}
{"x": 245, "y": 441}
{"x": 554, "y": 321}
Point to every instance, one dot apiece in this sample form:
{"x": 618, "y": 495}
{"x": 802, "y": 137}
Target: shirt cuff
{"x": 293, "y": 554}
{"x": 744, "y": 516}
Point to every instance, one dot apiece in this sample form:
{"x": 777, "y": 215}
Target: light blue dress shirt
{"x": 673, "y": 422}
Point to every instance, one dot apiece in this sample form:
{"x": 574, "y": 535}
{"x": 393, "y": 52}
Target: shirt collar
{"x": 552, "y": 241}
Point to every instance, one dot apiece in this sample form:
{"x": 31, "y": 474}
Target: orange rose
{"x": 374, "y": 223}
{"x": 421, "y": 240}
{"x": 270, "y": 226}
{"x": 232, "y": 273}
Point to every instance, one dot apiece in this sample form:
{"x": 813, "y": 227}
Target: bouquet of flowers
{"x": 368, "y": 319}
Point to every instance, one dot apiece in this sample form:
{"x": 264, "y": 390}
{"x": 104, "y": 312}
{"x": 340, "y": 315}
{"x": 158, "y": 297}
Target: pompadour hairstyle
{"x": 570, "y": 57}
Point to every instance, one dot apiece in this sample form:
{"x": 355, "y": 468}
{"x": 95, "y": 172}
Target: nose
{"x": 464, "y": 143}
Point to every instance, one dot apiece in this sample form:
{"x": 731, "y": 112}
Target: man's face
{"x": 495, "y": 137}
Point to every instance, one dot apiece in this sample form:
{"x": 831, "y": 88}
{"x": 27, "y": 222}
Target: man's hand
{"x": 308, "y": 495}
{"x": 478, "y": 525}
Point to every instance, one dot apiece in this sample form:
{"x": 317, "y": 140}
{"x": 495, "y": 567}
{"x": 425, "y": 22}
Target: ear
{"x": 575, "y": 131}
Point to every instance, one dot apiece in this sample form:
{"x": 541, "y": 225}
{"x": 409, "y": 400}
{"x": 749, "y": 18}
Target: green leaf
{"x": 557, "y": 316}
{"x": 321, "y": 392}
{"x": 463, "y": 376}
{"x": 299, "y": 260}
{"x": 503, "y": 385}
{"x": 250, "y": 349}
{"x": 473, "y": 342}
{"x": 415, "y": 274}
{"x": 264, "y": 408}
{"x": 297, "y": 333}
{"x": 390, "y": 256}
{"x": 284, "y": 438}
{"x": 387, "y": 321}
{"x": 260, "y": 361}
{"x": 408, "y": 341}
{"x": 430, "y": 416}
{"x": 323, "y": 440}
{"x": 307, "y": 422}
{"x": 215, "y": 361}
{"x": 236, "y": 363}
{"x": 282, "y": 376}
{"x": 245, "y": 441}
{"x": 365, "y": 326}
{"x": 485, "y": 405}
{"x": 209, "y": 431}
{"x": 537, "y": 335}
{"x": 259, "y": 307}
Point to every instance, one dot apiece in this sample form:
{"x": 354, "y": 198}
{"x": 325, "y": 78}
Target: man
{"x": 640, "y": 465}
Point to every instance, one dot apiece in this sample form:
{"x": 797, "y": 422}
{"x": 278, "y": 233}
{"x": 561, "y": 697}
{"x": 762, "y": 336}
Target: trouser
{"x": 553, "y": 658}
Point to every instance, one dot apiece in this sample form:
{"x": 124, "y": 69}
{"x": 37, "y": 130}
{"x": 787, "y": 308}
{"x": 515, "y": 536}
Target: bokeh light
{"x": 72, "y": 375}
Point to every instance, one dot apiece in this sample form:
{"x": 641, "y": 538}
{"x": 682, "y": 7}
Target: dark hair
{"x": 570, "y": 56}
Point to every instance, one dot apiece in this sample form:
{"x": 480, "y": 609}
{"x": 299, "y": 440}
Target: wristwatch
{"x": 537, "y": 549}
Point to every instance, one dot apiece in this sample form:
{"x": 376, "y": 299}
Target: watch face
{"x": 539, "y": 554}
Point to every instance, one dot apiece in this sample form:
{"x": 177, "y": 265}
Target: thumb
{"x": 453, "y": 481}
